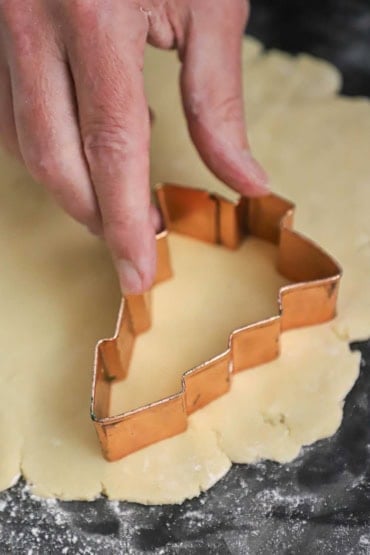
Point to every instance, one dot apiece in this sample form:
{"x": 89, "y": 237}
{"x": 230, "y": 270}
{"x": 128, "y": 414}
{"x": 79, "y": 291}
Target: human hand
{"x": 73, "y": 109}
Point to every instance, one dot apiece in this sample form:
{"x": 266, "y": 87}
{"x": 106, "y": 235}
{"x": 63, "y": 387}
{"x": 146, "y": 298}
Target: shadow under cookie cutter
{"x": 309, "y": 299}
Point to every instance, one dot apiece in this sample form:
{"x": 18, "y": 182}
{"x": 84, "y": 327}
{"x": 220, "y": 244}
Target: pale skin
{"x": 73, "y": 108}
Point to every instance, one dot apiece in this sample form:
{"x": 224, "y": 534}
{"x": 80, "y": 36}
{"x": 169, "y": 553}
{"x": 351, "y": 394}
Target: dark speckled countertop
{"x": 319, "y": 503}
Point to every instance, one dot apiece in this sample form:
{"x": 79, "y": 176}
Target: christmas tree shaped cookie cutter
{"x": 309, "y": 299}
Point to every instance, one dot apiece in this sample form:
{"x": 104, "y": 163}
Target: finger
{"x": 8, "y": 134}
{"x": 114, "y": 123}
{"x": 212, "y": 96}
{"x": 46, "y": 124}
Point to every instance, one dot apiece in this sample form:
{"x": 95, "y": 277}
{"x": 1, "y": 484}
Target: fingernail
{"x": 130, "y": 280}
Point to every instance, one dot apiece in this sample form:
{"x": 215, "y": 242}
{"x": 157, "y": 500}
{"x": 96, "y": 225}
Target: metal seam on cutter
{"x": 310, "y": 300}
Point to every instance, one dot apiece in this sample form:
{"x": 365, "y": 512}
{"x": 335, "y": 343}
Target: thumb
{"x": 211, "y": 87}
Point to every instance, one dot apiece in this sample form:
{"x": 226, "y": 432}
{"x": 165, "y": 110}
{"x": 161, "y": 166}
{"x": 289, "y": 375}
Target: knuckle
{"x": 43, "y": 166}
{"x": 10, "y": 12}
{"x": 105, "y": 138}
{"x": 82, "y": 12}
{"x": 206, "y": 109}
{"x": 108, "y": 138}
{"x": 30, "y": 36}
{"x": 16, "y": 21}
{"x": 228, "y": 109}
{"x": 18, "y": 28}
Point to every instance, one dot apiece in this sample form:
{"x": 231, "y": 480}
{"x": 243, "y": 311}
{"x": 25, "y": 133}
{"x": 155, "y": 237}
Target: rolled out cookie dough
{"x": 58, "y": 295}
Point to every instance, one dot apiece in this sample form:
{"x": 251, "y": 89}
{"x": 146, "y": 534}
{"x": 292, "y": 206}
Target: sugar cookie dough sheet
{"x": 59, "y": 295}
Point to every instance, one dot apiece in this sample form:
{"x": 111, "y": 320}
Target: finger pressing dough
{"x": 58, "y": 295}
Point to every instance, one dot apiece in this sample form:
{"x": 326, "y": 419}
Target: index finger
{"x": 114, "y": 121}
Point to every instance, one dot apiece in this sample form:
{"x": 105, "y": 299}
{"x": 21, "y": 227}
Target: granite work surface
{"x": 336, "y": 30}
{"x": 318, "y": 504}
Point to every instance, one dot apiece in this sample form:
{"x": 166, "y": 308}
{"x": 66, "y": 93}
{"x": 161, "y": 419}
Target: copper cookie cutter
{"x": 310, "y": 299}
